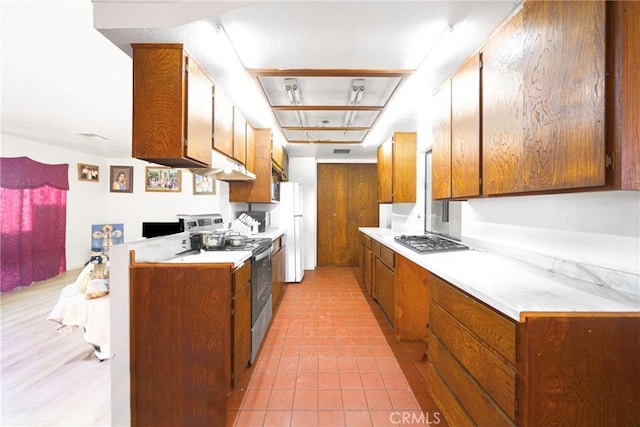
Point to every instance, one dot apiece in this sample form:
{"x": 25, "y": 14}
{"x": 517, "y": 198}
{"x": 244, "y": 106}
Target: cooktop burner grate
{"x": 429, "y": 243}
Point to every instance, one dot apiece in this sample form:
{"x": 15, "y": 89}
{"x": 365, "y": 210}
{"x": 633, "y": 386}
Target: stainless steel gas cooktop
{"x": 428, "y": 243}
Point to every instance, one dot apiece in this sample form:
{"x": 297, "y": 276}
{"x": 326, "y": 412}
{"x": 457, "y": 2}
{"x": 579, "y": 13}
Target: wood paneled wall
{"x": 347, "y": 200}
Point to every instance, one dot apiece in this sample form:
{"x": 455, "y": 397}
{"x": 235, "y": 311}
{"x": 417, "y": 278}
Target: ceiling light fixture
{"x": 355, "y": 98}
{"x": 293, "y": 93}
{"x": 291, "y": 86}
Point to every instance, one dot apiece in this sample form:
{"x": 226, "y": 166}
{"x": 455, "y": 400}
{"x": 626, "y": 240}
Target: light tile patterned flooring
{"x": 330, "y": 359}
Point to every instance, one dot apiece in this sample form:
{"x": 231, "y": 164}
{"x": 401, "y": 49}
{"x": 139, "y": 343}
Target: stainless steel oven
{"x": 261, "y": 285}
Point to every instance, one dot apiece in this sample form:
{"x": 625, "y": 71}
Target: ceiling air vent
{"x": 341, "y": 151}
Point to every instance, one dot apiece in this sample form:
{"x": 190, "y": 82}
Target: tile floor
{"x": 330, "y": 359}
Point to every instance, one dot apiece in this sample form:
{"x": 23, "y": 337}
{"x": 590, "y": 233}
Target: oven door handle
{"x": 263, "y": 254}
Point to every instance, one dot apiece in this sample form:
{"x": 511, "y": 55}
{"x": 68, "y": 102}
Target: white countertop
{"x": 272, "y": 233}
{"x": 213, "y": 257}
{"x": 224, "y": 257}
{"x": 512, "y": 286}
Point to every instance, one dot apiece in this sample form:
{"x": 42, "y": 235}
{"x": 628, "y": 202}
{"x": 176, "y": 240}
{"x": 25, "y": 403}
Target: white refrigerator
{"x": 291, "y": 220}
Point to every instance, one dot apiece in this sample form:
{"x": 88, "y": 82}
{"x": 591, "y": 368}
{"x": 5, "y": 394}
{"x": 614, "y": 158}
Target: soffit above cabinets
{"x": 328, "y": 106}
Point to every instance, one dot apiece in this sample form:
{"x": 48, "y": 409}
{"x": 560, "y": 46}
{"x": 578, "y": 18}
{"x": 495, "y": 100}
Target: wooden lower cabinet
{"x": 278, "y": 270}
{"x": 365, "y": 263}
{"x": 241, "y": 316}
{"x": 190, "y": 328}
{"x": 412, "y": 311}
{"x": 383, "y": 289}
{"x": 180, "y": 349}
{"x": 546, "y": 369}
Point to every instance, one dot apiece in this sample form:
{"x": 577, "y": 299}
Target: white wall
{"x": 92, "y": 203}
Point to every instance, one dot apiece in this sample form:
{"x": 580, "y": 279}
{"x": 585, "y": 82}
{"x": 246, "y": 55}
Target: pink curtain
{"x": 33, "y": 209}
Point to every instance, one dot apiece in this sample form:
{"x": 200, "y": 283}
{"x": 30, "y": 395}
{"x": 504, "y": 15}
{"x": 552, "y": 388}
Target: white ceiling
{"x": 61, "y": 76}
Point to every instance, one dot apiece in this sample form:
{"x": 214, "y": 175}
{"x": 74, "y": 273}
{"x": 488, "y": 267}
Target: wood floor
{"x": 48, "y": 379}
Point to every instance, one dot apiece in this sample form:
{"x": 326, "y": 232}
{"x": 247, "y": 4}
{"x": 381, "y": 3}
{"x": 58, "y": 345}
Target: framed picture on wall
{"x": 88, "y": 172}
{"x": 203, "y": 184}
{"x": 163, "y": 179}
{"x": 121, "y": 179}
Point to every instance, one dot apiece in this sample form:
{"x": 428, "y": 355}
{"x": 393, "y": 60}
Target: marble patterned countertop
{"x": 510, "y": 285}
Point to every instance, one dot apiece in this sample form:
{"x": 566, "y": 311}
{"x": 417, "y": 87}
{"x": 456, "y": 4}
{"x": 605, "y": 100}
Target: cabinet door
{"x": 465, "y": 129}
{"x": 441, "y": 149}
{"x": 277, "y": 155}
{"x": 241, "y": 332}
{"x": 365, "y": 263}
{"x": 250, "y": 163}
{"x": 623, "y": 108}
{"x": 385, "y": 164}
{"x": 404, "y": 167}
{"x": 200, "y": 114}
{"x": 412, "y": 315}
{"x": 258, "y": 191}
{"x": 346, "y": 201}
{"x": 383, "y": 277}
{"x": 367, "y": 275}
{"x": 223, "y": 123}
{"x": 333, "y": 203}
{"x": 239, "y": 136}
{"x": 185, "y": 313}
{"x": 543, "y": 99}
{"x": 241, "y": 321}
{"x": 160, "y": 123}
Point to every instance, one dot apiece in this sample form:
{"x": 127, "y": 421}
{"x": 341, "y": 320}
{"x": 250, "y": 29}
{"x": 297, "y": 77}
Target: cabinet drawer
{"x": 241, "y": 277}
{"x": 388, "y": 256}
{"x": 455, "y": 415}
{"x": 492, "y": 328}
{"x": 496, "y": 377}
{"x": 480, "y": 407}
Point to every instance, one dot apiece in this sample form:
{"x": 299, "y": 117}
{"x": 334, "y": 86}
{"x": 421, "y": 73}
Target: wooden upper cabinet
{"x": 623, "y": 108}
{"x": 404, "y": 167}
{"x": 465, "y": 129}
{"x": 222, "y": 123}
{"x": 258, "y": 191}
{"x": 239, "y": 136}
{"x": 250, "y": 163}
{"x": 543, "y": 99}
{"x": 172, "y": 117}
{"x": 397, "y": 169}
{"x": 278, "y": 156}
{"x": 385, "y": 164}
{"x": 285, "y": 164}
{"x": 441, "y": 148}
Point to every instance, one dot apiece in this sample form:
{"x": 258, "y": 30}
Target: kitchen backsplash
{"x": 590, "y": 236}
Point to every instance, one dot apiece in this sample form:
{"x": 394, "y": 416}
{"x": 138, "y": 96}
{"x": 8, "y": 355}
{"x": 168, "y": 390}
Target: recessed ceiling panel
{"x": 326, "y": 91}
{"x": 324, "y": 136}
{"x": 325, "y": 118}
{"x": 341, "y": 104}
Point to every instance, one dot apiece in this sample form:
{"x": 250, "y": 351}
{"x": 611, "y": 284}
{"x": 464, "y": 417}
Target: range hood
{"x": 225, "y": 169}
